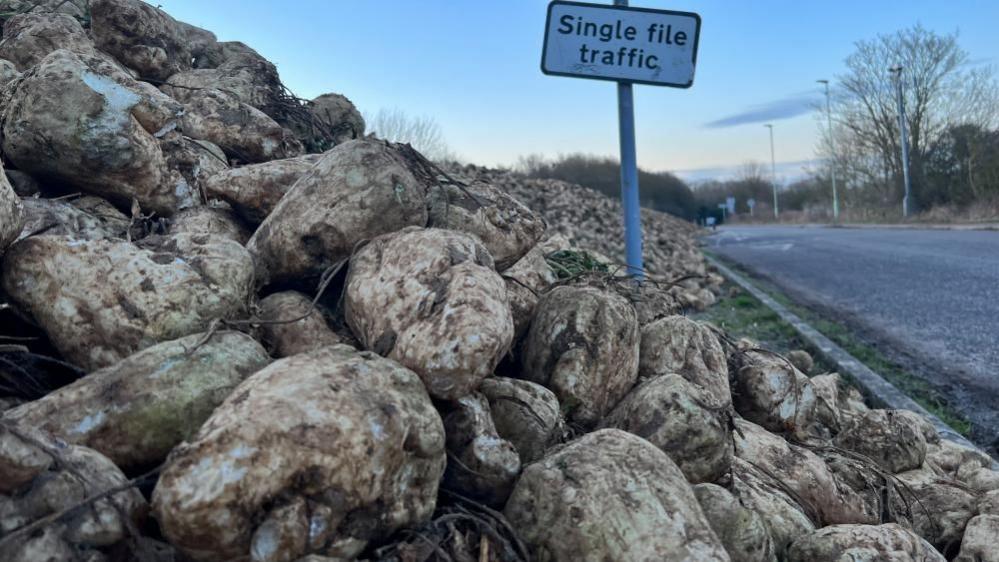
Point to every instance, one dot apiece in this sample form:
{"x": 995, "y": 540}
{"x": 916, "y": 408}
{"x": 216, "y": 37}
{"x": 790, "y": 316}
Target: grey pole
{"x": 773, "y": 169}
{"x": 629, "y": 177}
{"x": 907, "y": 198}
{"x": 832, "y": 152}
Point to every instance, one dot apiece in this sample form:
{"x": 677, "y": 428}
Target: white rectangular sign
{"x": 640, "y": 45}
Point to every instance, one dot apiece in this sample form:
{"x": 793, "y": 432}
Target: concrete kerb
{"x": 919, "y": 226}
{"x": 886, "y": 226}
{"x": 845, "y": 363}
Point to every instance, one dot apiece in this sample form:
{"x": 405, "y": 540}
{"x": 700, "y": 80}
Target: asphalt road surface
{"x": 930, "y": 298}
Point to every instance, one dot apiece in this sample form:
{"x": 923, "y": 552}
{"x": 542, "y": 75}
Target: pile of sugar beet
{"x": 233, "y": 327}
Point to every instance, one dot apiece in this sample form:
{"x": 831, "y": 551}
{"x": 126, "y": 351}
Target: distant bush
{"x": 753, "y": 182}
{"x": 661, "y": 191}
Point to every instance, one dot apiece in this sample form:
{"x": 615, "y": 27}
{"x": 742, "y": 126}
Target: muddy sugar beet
{"x": 11, "y": 218}
{"x": 33, "y": 484}
{"x": 431, "y": 300}
{"x": 116, "y": 298}
{"x": 355, "y": 192}
{"x": 136, "y": 411}
{"x": 610, "y": 496}
{"x": 583, "y": 345}
{"x": 333, "y": 448}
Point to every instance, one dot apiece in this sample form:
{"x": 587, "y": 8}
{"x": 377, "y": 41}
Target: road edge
{"x": 871, "y": 381}
{"x": 984, "y": 227}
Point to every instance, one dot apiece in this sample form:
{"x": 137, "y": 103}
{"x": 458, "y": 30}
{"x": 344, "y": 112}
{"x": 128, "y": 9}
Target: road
{"x": 929, "y": 298}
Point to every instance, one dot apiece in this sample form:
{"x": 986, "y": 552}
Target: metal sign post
{"x": 773, "y": 171}
{"x": 629, "y": 180}
{"x": 907, "y": 197}
{"x": 629, "y": 46}
{"x": 832, "y": 153}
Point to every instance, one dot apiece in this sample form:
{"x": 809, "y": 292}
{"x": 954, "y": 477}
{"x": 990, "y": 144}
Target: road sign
{"x": 638, "y": 45}
{"x": 730, "y": 204}
{"x": 627, "y": 45}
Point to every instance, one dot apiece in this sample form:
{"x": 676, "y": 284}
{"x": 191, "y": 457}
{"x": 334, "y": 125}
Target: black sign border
{"x": 548, "y": 21}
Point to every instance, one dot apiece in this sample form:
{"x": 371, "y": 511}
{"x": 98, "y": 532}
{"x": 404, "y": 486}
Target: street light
{"x": 773, "y": 169}
{"x": 907, "y": 198}
{"x": 832, "y": 152}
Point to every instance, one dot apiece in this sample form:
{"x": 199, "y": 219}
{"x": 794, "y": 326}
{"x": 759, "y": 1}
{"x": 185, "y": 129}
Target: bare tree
{"x": 752, "y": 181}
{"x": 423, "y": 133}
{"x": 942, "y": 89}
{"x": 754, "y": 172}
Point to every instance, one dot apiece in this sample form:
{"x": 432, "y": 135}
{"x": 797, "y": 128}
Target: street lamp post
{"x": 773, "y": 170}
{"x": 832, "y": 152}
{"x": 907, "y": 198}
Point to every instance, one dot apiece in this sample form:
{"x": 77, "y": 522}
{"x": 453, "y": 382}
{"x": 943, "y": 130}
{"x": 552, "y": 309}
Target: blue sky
{"x": 474, "y": 67}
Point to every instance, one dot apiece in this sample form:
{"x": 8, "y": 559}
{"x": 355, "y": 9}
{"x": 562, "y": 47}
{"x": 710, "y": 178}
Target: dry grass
{"x": 978, "y": 213}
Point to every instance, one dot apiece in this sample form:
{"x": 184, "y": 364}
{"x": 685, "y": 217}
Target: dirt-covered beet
{"x": 320, "y": 452}
{"x": 431, "y": 300}
{"x": 834, "y": 403}
{"x": 214, "y": 220}
{"x": 141, "y": 36}
{"x": 231, "y": 67}
{"x": 30, "y": 37}
{"x": 196, "y": 160}
{"x": 679, "y": 345}
{"x": 979, "y": 541}
{"x": 98, "y": 126}
{"x": 255, "y": 190}
{"x": 8, "y": 73}
{"x": 526, "y": 281}
{"x": 11, "y": 213}
{"x": 979, "y": 479}
{"x": 676, "y": 416}
{"x": 583, "y": 345}
{"x": 340, "y": 115}
{"x": 290, "y": 324}
{"x": 942, "y": 506}
{"x": 890, "y": 439}
{"x": 355, "y": 192}
{"x": 41, "y": 476}
{"x": 803, "y": 473}
{"x": 525, "y": 414}
{"x": 481, "y": 464}
{"x": 765, "y": 493}
{"x": 769, "y": 391}
{"x": 742, "y": 531}
{"x": 801, "y": 360}
{"x": 85, "y": 218}
{"x": 99, "y": 301}
{"x": 244, "y": 132}
{"x": 862, "y": 542}
{"x": 948, "y": 457}
{"x": 610, "y": 495}
{"x": 505, "y": 226}
{"x": 135, "y": 411}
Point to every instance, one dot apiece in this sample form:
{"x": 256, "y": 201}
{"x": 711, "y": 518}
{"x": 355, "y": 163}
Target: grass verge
{"x": 745, "y": 320}
{"x": 742, "y": 316}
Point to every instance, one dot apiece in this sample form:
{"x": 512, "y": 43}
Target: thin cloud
{"x": 785, "y": 108}
{"x": 787, "y": 172}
